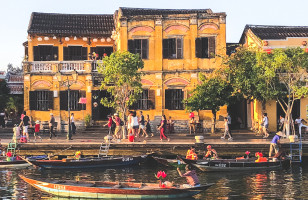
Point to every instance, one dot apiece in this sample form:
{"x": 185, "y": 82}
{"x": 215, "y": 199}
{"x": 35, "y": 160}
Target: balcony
{"x": 62, "y": 66}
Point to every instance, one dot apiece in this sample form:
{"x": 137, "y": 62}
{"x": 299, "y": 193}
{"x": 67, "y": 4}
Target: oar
{"x": 25, "y": 159}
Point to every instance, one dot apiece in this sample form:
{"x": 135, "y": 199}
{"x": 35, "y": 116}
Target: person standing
{"x": 109, "y": 124}
{"x": 135, "y": 125}
{"x": 2, "y": 121}
{"x": 229, "y": 123}
{"x": 117, "y": 121}
{"x": 192, "y": 125}
{"x": 25, "y": 123}
{"x": 274, "y": 143}
{"x": 162, "y": 128}
{"x": 37, "y": 129}
{"x": 191, "y": 177}
{"x": 300, "y": 124}
{"x": 129, "y": 123}
{"x": 51, "y": 126}
{"x": 281, "y": 123}
{"x": 170, "y": 125}
{"x": 142, "y": 125}
{"x": 265, "y": 125}
{"x": 148, "y": 126}
{"x": 227, "y": 130}
{"x": 73, "y": 124}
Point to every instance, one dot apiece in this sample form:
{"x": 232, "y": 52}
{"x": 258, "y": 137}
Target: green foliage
{"x": 87, "y": 120}
{"x": 15, "y": 104}
{"x": 4, "y": 94}
{"x": 122, "y": 79}
{"x": 211, "y": 94}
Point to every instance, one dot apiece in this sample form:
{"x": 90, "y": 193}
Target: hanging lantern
{"x": 103, "y": 40}
{"x": 54, "y": 37}
{"x": 85, "y": 39}
{"x": 108, "y": 39}
{"x": 304, "y": 43}
{"x": 306, "y": 50}
{"x": 94, "y": 40}
{"x": 75, "y": 38}
{"x": 67, "y": 39}
{"x": 39, "y": 39}
{"x": 46, "y": 38}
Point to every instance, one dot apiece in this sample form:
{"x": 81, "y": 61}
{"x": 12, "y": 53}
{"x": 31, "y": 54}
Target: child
{"x": 37, "y": 130}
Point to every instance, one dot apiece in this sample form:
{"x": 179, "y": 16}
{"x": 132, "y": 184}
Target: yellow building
{"x": 267, "y": 38}
{"x": 175, "y": 46}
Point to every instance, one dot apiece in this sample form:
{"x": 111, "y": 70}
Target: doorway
{"x": 296, "y": 111}
{"x": 238, "y": 113}
{"x": 99, "y": 111}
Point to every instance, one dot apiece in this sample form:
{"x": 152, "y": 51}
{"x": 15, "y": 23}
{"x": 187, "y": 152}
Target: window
{"x": 41, "y": 100}
{"x": 205, "y": 47}
{"x": 139, "y": 46}
{"x": 75, "y": 53}
{"x": 146, "y": 100}
{"x": 101, "y": 51}
{"x": 173, "y": 48}
{"x": 75, "y": 95}
{"x": 174, "y": 99}
{"x": 45, "y": 53}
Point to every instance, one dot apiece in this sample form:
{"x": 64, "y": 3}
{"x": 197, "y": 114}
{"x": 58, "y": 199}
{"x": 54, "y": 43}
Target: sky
{"x": 15, "y": 16}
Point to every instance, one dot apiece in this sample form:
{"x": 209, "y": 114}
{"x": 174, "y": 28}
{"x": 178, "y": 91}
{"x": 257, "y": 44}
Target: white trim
{"x": 45, "y": 45}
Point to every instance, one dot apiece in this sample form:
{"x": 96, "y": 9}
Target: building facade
{"x": 267, "y": 38}
{"x": 175, "y": 45}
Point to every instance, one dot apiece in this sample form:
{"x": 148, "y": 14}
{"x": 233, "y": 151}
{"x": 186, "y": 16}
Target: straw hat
{"x": 51, "y": 114}
{"x": 279, "y": 133}
{"x": 37, "y": 121}
{"x": 115, "y": 114}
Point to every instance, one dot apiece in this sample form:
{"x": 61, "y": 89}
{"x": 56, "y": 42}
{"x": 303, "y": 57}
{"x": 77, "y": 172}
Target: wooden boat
{"x": 112, "y": 190}
{"x": 234, "y": 164}
{"x": 175, "y": 163}
{"x": 84, "y": 163}
{"x": 13, "y": 164}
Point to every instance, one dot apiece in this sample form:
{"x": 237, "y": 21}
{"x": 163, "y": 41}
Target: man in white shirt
{"x": 300, "y": 124}
{"x": 265, "y": 125}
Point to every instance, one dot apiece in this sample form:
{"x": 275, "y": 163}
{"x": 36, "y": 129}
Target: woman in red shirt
{"x": 37, "y": 128}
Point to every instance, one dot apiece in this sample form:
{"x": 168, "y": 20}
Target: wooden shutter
{"x": 63, "y": 100}
{"x": 151, "y": 99}
{"x": 212, "y": 44}
{"x": 50, "y": 100}
{"x": 36, "y": 54}
{"x": 131, "y": 46}
{"x": 55, "y": 53}
{"x": 167, "y": 99}
{"x": 179, "y": 49}
{"x": 145, "y": 49}
{"x": 32, "y": 100}
{"x": 198, "y": 46}
{"x": 84, "y": 53}
{"x": 165, "y": 48}
{"x": 66, "y": 53}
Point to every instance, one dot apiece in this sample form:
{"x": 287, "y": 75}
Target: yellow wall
{"x": 159, "y": 70}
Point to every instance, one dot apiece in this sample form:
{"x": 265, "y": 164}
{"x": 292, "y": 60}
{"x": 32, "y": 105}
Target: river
{"x": 288, "y": 183}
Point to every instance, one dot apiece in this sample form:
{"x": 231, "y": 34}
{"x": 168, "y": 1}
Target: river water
{"x": 288, "y": 183}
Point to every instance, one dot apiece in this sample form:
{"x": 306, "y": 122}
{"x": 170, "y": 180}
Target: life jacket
{"x": 261, "y": 159}
{"x": 191, "y": 155}
{"x": 188, "y": 154}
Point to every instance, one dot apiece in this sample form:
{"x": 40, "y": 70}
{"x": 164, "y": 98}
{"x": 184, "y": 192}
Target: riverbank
{"x": 89, "y": 145}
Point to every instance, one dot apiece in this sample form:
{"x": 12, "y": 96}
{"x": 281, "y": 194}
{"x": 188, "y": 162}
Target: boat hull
{"x": 14, "y": 164}
{"x": 174, "y": 163}
{"x": 88, "y": 163}
{"x": 236, "y": 165}
{"x": 86, "y": 191}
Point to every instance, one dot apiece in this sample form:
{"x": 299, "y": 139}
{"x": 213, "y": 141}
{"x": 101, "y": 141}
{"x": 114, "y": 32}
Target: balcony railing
{"x": 39, "y": 66}
{"x": 95, "y": 64}
{"x": 66, "y": 66}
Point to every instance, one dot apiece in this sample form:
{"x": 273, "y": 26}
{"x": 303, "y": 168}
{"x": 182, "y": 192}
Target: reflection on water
{"x": 281, "y": 184}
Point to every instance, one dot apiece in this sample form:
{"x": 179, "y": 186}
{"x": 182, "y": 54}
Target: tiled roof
{"x": 152, "y": 11}
{"x": 231, "y": 47}
{"x": 70, "y": 24}
{"x": 277, "y": 32}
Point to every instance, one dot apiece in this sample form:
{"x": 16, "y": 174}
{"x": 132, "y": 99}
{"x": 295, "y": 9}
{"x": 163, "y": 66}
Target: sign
{"x": 97, "y": 80}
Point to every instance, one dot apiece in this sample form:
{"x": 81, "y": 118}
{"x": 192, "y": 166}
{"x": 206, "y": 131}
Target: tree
{"x": 122, "y": 79}
{"x": 4, "y": 94}
{"x": 274, "y": 75}
{"x": 211, "y": 94}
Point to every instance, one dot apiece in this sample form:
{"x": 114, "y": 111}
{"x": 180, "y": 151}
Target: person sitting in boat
{"x": 191, "y": 177}
{"x": 260, "y": 157}
{"x": 211, "y": 153}
{"x": 246, "y": 156}
{"x": 191, "y": 154}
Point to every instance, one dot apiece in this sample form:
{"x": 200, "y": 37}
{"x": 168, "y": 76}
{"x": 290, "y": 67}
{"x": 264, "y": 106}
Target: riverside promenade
{"x": 89, "y": 143}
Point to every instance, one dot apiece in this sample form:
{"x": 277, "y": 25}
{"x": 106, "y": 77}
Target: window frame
{"x": 70, "y": 51}
{"x": 142, "y": 49}
{"x": 75, "y": 95}
{"x": 205, "y": 51}
{"x": 40, "y": 53}
{"x": 174, "y": 99}
{"x": 41, "y": 100}
{"x": 173, "y": 46}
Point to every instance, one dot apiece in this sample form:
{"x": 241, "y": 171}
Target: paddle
{"x": 25, "y": 159}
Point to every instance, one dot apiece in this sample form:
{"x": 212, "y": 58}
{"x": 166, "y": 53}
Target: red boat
{"x": 112, "y": 190}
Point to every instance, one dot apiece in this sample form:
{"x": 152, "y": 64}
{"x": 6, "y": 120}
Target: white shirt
{"x": 298, "y": 121}
{"x": 72, "y": 119}
{"x": 265, "y": 121}
{"x": 229, "y": 119}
